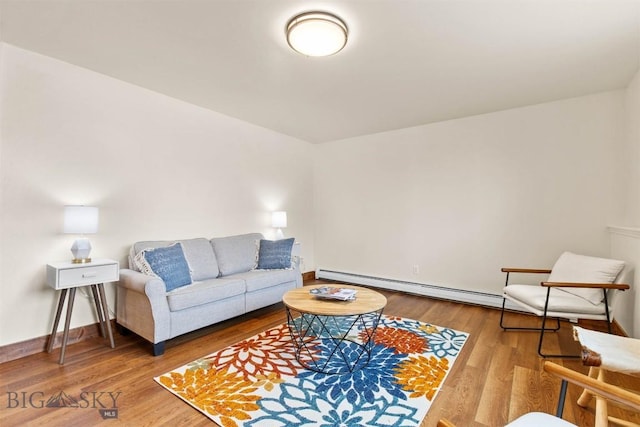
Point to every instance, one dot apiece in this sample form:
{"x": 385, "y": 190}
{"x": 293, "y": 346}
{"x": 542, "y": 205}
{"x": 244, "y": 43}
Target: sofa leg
{"x": 158, "y": 349}
{"x": 122, "y": 330}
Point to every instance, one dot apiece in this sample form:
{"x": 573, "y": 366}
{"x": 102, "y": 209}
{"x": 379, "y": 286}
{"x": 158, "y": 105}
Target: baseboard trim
{"x": 439, "y": 292}
{"x": 21, "y": 349}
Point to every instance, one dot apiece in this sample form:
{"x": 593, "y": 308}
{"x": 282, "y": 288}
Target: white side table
{"x": 67, "y": 276}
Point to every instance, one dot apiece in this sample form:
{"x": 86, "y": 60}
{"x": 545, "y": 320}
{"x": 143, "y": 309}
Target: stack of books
{"x": 327, "y": 292}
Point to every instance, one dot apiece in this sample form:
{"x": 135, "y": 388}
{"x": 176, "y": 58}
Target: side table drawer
{"x": 82, "y": 275}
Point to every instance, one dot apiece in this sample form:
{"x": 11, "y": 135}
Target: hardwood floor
{"x": 496, "y": 378}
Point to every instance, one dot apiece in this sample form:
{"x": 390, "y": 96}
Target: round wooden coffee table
{"x": 333, "y": 336}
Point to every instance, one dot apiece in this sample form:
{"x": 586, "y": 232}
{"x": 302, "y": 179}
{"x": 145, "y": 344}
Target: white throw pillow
{"x": 571, "y": 267}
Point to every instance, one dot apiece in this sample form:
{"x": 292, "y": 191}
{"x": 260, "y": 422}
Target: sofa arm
{"x": 142, "y": 305}
{"x": 142, "y": 283}
{"x": 295, "y": 263}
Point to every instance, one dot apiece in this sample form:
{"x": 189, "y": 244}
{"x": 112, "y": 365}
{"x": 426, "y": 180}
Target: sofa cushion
{"x": 236, "y": 254}
{"x": 168, "y": 263}
{"x": 198, "y": 252}
{"x": 260, "y": 279}
{"x": 201, "y": 259}
{"x": 571, "y": 267}
{"x": 275, "y": 254}
{"x": 204, "y": 292}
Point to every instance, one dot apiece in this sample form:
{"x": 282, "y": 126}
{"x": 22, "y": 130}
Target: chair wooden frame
{"x": 550, "y": 285}
{"x": 605, "y": 354}
{"x": 594, "y": 385}
{"x": 591, "y": 385}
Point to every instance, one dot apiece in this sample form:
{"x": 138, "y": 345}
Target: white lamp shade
{"x": 279, "y": 219}
{"x": 317, "y": 34}
{"x": 80, "y": 219}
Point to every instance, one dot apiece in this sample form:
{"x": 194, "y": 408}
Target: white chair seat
{"x": 539, "y": 419}
{"x": 613, "y": 352}
{"x": 561, "y": 304}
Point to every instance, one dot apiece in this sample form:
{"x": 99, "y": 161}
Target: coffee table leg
{"x": 337, "y": 334}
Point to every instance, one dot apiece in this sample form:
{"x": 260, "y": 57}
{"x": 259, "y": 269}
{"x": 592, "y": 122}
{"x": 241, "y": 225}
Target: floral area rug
{"x": 259, "y": 382}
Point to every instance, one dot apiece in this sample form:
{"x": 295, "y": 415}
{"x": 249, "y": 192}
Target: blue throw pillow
{"x": 275, "y": 254}
{"x": 170, "y": 265}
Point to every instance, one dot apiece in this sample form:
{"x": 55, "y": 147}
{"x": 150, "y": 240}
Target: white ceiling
{"x": 407, "y": 62}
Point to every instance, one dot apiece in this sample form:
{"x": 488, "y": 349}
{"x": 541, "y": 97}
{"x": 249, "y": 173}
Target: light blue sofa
{"x": 225, "y": 284}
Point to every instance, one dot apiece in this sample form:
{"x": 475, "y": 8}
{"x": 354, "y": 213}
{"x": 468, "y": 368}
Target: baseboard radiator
{"x": 440, "y": 292}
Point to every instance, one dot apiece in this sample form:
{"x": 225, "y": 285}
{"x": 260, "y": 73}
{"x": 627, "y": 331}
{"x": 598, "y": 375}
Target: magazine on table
{"x": 329, "y": 292}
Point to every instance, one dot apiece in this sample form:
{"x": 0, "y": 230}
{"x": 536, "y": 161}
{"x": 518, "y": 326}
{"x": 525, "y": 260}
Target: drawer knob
{"x": 88, "y": 275}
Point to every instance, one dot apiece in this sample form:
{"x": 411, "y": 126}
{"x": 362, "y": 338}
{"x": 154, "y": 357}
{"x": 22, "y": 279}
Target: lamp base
{"x": 80, "y": 250}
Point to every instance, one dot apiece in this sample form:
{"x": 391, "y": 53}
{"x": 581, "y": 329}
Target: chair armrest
{"x": 619, "y": 286}
{"x": 525, "y": 270}
{"x": 608, "y": 391}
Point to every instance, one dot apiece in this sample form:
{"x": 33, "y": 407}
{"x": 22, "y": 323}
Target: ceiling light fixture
{"x": 317, "y": 34}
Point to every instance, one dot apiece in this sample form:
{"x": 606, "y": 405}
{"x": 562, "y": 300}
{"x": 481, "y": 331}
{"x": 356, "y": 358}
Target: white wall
{"x": 625, "y": 236}
{"x": 463, "y": 198}
{"x": 625, "y": 245}
{"x": 630, "y": 155}
{"x": 156, "y": 167}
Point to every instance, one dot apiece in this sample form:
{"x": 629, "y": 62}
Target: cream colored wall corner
{"x": 625, "y": 245}
{"x": 625, "y": 234}
{"x": 157, "y": 168}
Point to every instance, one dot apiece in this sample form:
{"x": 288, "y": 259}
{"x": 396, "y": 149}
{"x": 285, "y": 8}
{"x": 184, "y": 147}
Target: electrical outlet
{"x": 416, "y": 269}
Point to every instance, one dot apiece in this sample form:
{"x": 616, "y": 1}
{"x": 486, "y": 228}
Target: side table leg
{"x": 101, "y": 315}
{"x": 54, "y": 331}
{"x": 65, "y": 336}
{"x": 105, "y": 310}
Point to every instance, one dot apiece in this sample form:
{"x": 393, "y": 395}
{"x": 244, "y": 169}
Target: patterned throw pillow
{"x": 275, "y": 254}
{"x": 168, "y": 263}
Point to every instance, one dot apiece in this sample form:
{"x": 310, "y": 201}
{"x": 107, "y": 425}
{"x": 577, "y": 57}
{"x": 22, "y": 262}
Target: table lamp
{"x": 80, "y": 220}
{"x": 279, "y": 221}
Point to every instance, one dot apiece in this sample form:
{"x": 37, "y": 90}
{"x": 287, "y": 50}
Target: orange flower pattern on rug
{"x": 267, "y": 355}
{"x": 218, "y": 393}
{"x": 258, "y": 382}
{"x": 421, "y": 375}
{"x": 401, "y": 340}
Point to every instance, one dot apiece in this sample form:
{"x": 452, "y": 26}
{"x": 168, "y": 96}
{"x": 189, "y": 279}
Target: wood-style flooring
{"x": 497, "y": 377}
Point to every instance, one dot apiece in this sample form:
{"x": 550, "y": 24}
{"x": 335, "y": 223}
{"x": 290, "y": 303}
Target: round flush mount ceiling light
{"x": 317, "y": 34}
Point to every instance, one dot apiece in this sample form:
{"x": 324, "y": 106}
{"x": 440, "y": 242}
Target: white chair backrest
{"x": 626, "y": 275}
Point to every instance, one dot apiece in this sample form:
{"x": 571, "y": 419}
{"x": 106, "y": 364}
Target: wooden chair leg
{"x": 602, "y": 416}
{"x": 586, "y": 396}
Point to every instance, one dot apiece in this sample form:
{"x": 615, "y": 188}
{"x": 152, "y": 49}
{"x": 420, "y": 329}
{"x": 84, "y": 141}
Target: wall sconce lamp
{"x": 279, "y": 221}
{"x": 81, "y": 220}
